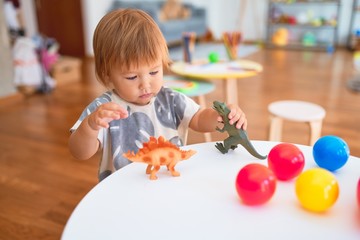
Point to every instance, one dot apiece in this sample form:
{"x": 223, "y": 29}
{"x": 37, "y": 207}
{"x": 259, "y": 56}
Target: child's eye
{"x": 131, "y": 78}
{"x": 154, "y": 73}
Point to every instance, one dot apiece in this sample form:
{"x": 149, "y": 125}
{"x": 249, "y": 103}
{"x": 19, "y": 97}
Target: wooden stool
{"x": 191, "y": 88}
{"x": 297, "y": 111}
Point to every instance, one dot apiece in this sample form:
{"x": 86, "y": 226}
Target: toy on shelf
{"x": 158, "y": 152}
{"x": 309, "y": 39}
{"x": 280, "y": 37}
{"x": 236, "y": 136}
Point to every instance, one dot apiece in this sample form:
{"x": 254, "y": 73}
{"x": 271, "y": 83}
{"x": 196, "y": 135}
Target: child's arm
{"x": 83, "y": 142}
{"x": 206, "y": 120}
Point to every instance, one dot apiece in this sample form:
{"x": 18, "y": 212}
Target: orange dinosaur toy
{"x": 159, "y": 152}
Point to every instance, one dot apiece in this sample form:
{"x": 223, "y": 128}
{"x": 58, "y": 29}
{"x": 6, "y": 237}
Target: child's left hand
{"x": 237, "y": 116}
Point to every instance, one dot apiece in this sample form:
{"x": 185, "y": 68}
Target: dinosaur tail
{"x": 250, "y": 148}
{"x": 187, "y": 154}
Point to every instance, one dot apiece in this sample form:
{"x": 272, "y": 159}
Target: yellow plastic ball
{"x": 317, "y": 189}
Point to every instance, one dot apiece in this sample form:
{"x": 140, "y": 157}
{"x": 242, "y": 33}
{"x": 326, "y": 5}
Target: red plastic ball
{"x": 286, "y": 161}
{"x": 255, "y": 184}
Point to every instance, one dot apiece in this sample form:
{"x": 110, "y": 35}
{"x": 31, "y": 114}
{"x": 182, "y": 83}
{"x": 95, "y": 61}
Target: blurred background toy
{"x": 309, "y": 39}
{"x": 33, "y": 59}
{"x": 214, "y": 57}
{"x": 280, "y": 37}
{"x": 354, "y": 82}
{"x": 302, "y": 18}
{"x": 27, "y": 68}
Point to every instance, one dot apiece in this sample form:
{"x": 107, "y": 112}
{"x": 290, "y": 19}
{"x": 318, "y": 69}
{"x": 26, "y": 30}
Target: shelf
{"x": 353, "y": 27}
{"x": 303, "y": 26}
{"x": 285, "y": 24}
{"x": 306, "y": 2}
{"x": 300, "y": 46}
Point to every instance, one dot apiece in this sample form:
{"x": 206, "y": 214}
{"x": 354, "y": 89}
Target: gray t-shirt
{"x": 168, "y": 115}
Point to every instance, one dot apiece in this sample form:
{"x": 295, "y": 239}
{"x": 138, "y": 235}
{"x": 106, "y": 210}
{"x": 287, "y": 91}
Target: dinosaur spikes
{"x": 129, "y": 155}
{"x": 161, "y": 139}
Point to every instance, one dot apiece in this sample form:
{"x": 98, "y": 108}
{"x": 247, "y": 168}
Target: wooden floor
{"x": 40, "y": 183}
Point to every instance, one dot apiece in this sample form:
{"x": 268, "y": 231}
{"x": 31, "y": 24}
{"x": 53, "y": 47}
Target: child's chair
{"x": 298, "y": 111}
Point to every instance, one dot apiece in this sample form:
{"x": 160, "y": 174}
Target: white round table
{"x": 229, "y": 71}
{"x": 202, "y": 203}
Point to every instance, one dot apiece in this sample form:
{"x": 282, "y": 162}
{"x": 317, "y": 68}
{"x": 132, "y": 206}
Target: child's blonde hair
{"x": 126, "y": 38}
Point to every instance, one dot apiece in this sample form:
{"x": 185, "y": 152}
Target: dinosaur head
{"x": 221, "y": 108}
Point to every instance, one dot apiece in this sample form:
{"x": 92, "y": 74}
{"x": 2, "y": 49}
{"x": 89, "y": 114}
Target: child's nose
{"x": 145, "y": 83}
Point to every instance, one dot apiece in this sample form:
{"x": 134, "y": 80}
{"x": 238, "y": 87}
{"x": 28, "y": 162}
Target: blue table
{"x": 191, "y": 88}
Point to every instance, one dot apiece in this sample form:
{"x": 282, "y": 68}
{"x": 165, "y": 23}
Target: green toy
{"x": 309, "y": 39}
{"x": 236, "y": 136}
{"x": 214, "y": 57}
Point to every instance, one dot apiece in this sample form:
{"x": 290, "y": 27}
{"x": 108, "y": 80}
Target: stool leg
{"x": 275, "y": 128}
{"x": 202, "y": 103}
{"x": 315, "y": 131}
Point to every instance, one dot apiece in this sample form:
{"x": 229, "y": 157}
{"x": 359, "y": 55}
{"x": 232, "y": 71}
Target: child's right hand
{"x": 104, "y": 114}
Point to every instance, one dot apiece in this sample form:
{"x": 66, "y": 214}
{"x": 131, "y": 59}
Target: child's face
{"x": 138, "y": 85}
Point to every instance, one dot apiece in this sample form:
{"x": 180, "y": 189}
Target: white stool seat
{"x": 297, "y": 111}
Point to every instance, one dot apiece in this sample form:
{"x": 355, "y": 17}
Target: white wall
{"x": 93, "y": 11}
{"x": 222, "y": 15}
{"x": 29, "y": 15}
{"x": 216, "y": 12}
{"x": 7, "y": 86}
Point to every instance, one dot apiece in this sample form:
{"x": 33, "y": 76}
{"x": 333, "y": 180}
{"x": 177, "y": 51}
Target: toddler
{"x": 130, "y": 56}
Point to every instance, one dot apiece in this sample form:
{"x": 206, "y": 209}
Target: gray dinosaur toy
{"x": 236, "y": 136}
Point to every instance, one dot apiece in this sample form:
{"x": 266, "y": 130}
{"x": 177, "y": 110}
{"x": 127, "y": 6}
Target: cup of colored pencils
{"x": 189, "y": 39}
{"x": 232, "y": 41}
